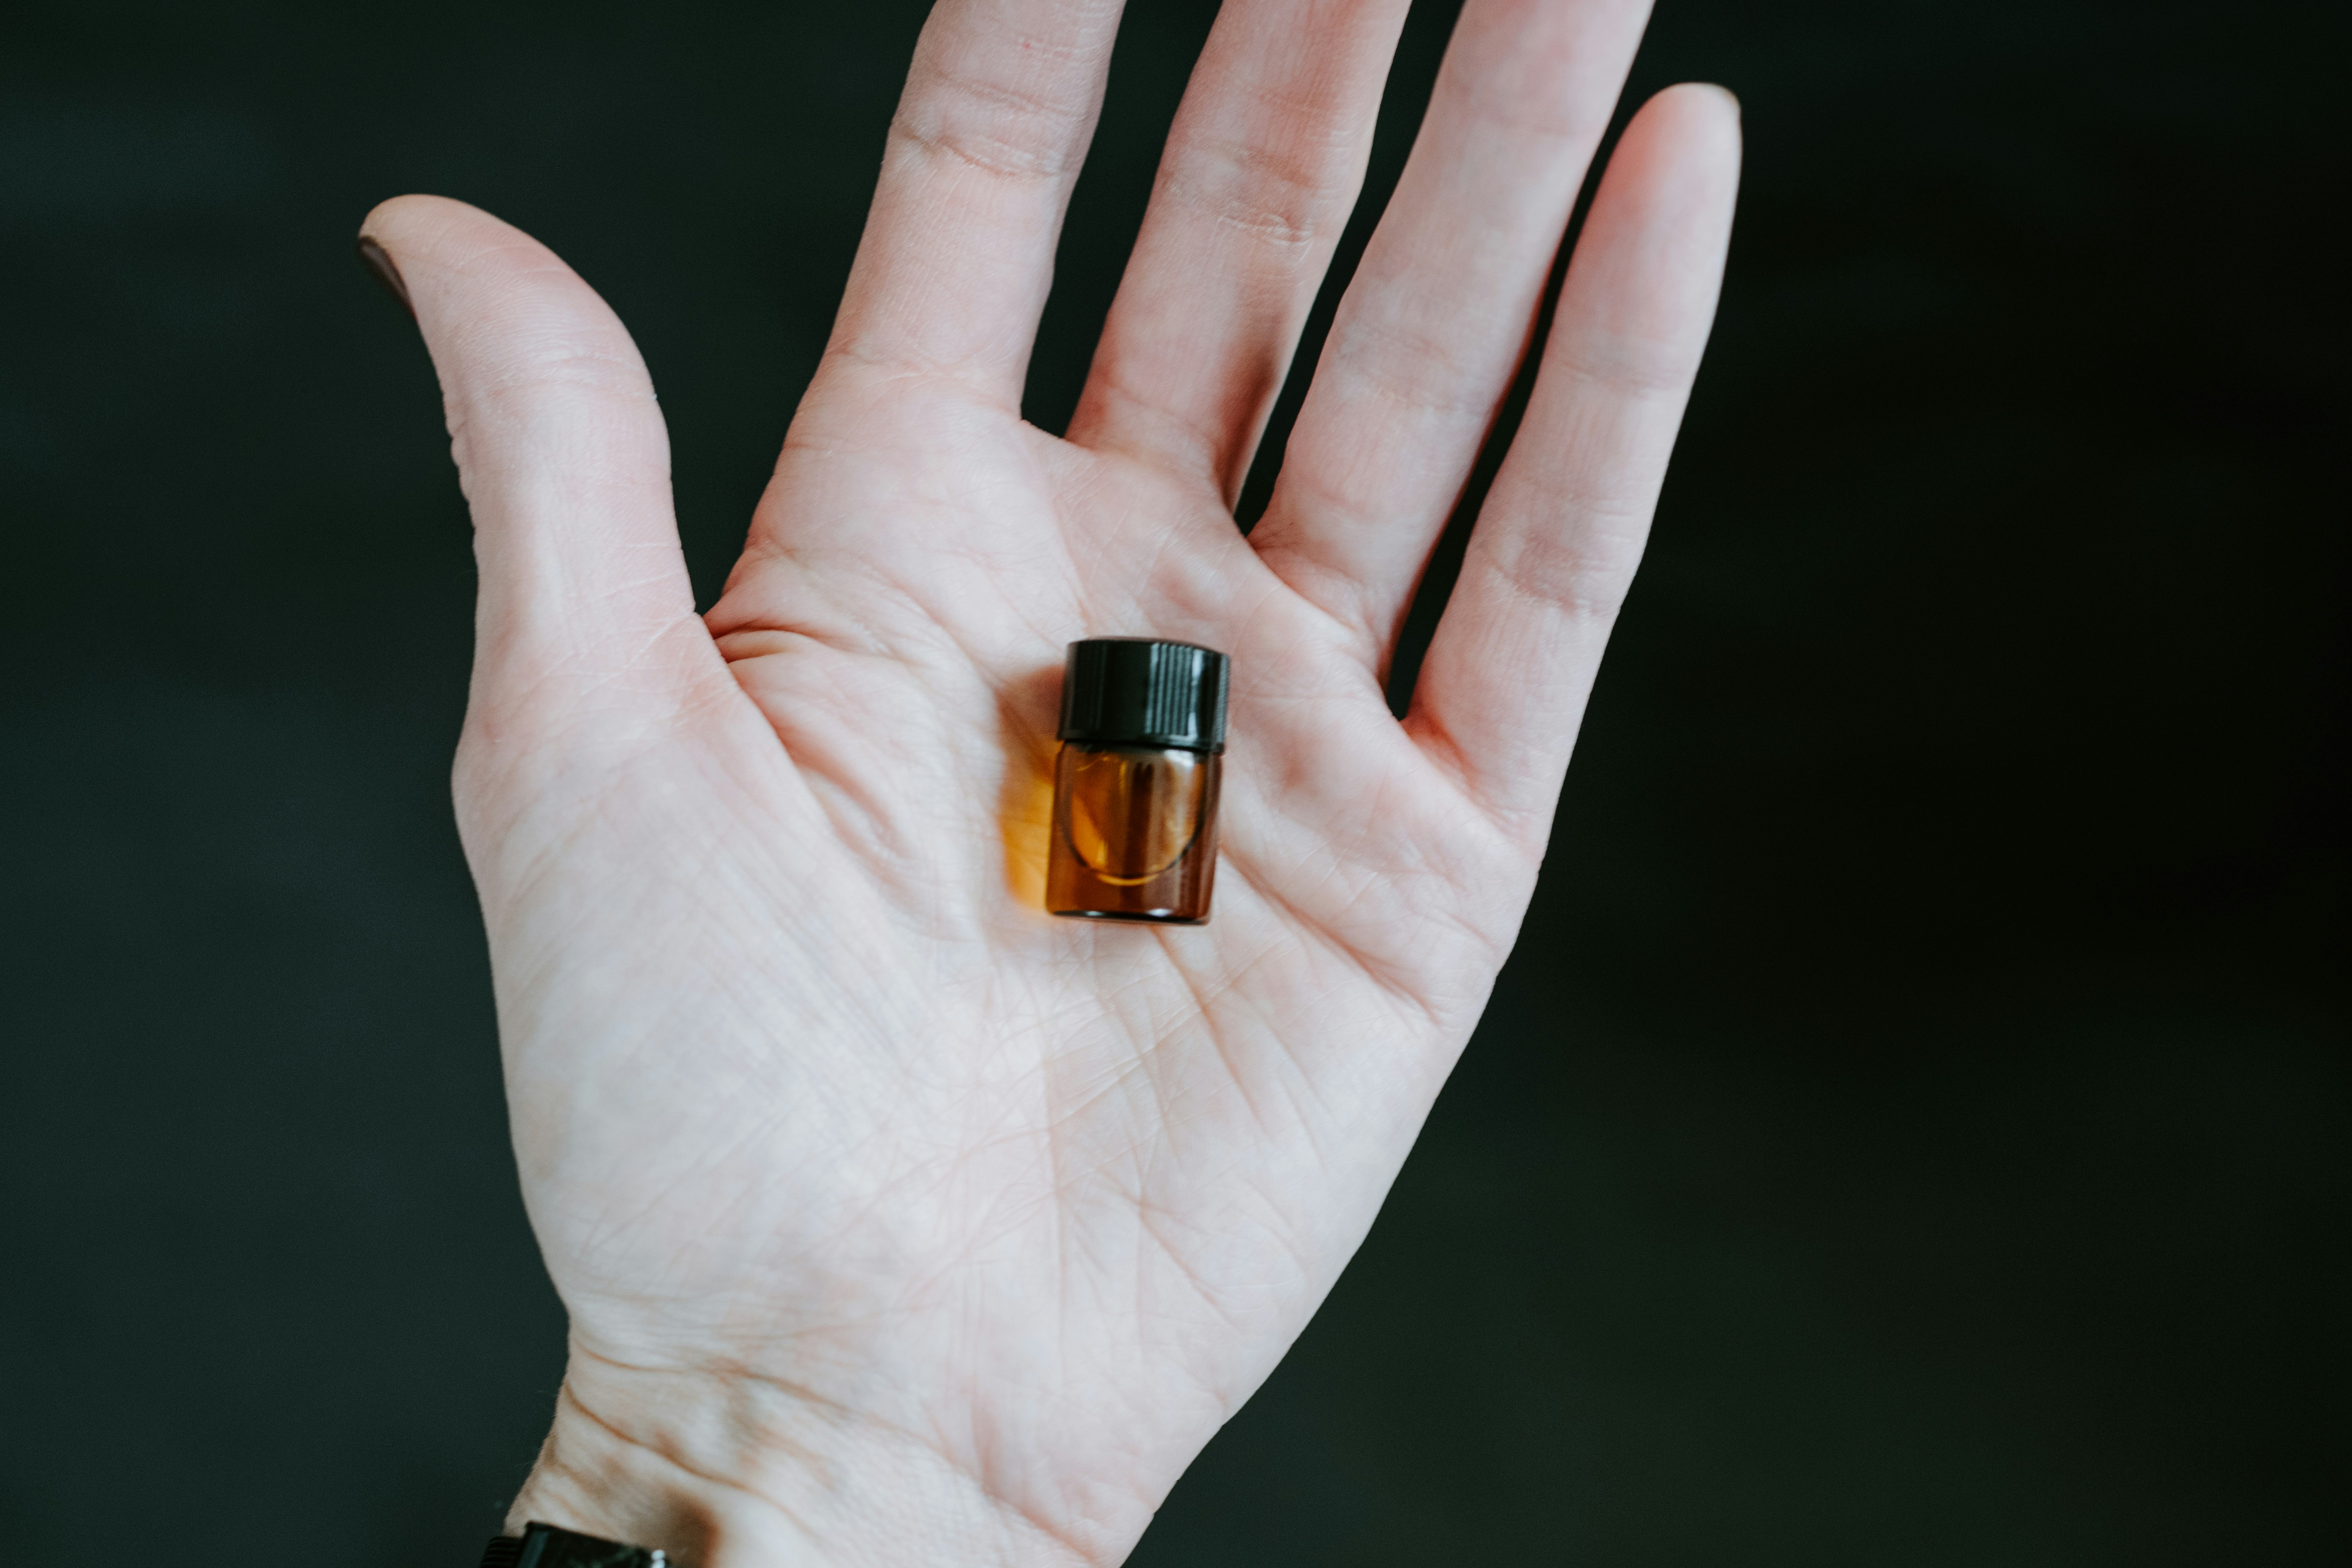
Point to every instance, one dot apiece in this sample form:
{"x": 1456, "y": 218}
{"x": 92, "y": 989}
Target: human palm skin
{"x": 898, "y": 1221}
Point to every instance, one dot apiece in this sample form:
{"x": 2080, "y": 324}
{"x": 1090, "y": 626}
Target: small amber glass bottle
{"x": 1135, "y": 789}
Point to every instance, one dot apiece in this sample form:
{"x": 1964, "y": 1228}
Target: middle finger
{"x": 1262, "y": 168}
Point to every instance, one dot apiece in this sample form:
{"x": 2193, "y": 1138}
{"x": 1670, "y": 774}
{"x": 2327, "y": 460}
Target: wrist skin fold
{"x": 731, "y": 1469}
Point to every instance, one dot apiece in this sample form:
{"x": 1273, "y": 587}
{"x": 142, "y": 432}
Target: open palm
{"x": 897, "y": 1220}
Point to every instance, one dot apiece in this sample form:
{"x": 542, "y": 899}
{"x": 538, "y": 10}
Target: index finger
{"x": 952, "y": 274}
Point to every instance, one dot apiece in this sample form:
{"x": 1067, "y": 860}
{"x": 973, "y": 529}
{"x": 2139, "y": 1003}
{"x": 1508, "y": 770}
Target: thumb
{"x": 584, "y": 604}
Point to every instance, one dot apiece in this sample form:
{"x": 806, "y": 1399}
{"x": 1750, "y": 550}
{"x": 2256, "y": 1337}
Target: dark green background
{"x": 1912, "y": 1131}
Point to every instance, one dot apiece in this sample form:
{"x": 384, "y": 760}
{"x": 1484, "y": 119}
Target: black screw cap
{"x": 1139, "y": 691}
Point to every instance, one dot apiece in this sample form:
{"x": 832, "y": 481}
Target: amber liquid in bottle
{"x": 1135, "y": 833}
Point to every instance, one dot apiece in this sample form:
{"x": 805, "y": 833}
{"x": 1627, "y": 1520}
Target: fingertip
{"x": 381, "y": 216}
{"x": 422, "y": 233}
{"x": 1703, "y": 112}
{"x": 386, "y": 271}
{"x": 1684, "y": 146}
{"x": 396, "y": 229}
{"x": 1695, "y": 103}
{"x": 448, "y": 259}
{"x": 400, "y": 217}
{"x": 388, "y": 229}
{"x": 1716, "y": 89}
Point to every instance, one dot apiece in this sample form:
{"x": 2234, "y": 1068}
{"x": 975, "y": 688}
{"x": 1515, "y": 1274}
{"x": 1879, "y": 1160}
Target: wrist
{"x": 738, "y": 1471}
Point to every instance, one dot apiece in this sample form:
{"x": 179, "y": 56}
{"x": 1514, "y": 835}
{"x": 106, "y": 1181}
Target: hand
{"x": 897, "y": 1221}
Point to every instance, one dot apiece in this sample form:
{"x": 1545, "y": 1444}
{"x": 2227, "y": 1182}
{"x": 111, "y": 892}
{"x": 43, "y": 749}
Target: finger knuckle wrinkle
{"x": 1286, "y": 197}
{"x": 994, "y": 156}
{"x": 1521, "y": 126}
{"x": 1002, "y": 130}
{"x": 556, "y": 369}
{"x": 1195, "y": 447}
{"x": 1629, "y": 367}
{"x": 1568, "y": 578}
{"x": 1418, "y": 370}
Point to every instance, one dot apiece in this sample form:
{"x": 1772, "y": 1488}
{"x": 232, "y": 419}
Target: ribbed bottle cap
{"x": 1136, "y": 691}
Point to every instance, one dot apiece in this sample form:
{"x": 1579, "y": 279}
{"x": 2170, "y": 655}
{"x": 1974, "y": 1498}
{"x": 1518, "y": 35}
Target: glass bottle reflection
{"x": 1134, "y": 832}
{"x": 1135, "y": 787}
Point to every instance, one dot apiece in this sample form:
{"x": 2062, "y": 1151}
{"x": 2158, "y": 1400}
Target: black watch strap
{"x": 545, "y": 1546}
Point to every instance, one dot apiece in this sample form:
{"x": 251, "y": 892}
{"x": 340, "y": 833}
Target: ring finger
{"x": 1433, "y": 326}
